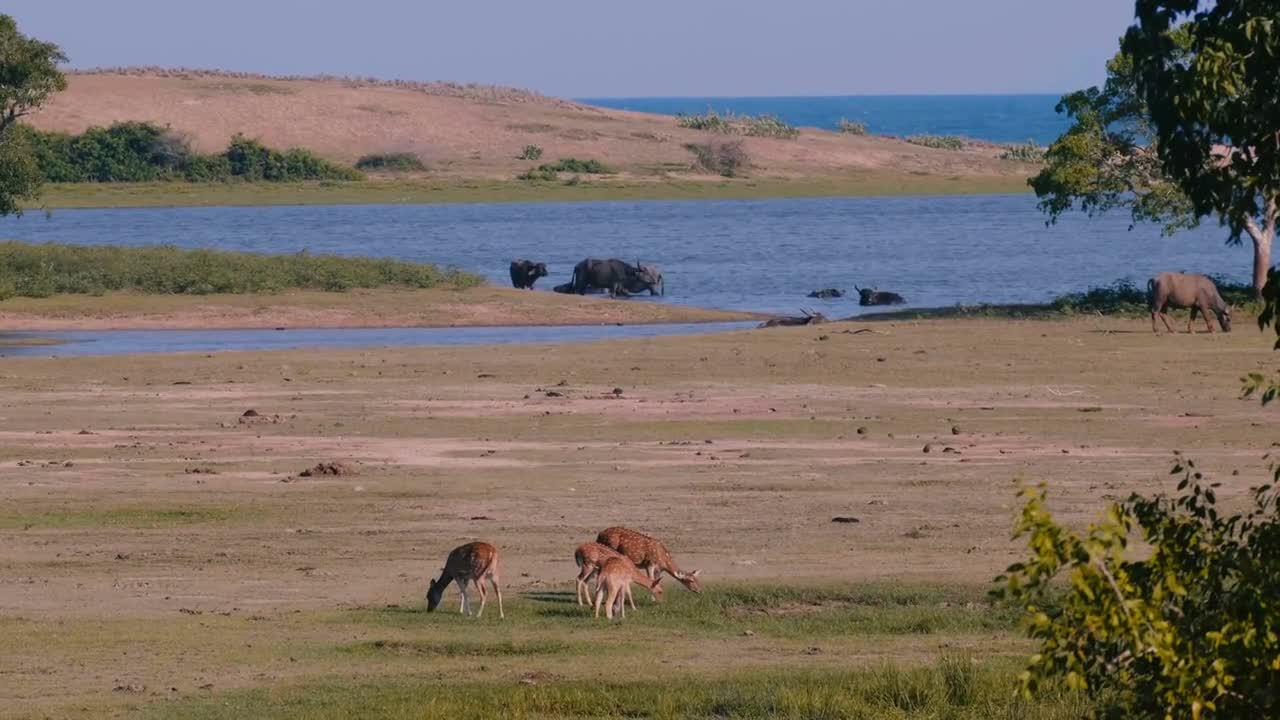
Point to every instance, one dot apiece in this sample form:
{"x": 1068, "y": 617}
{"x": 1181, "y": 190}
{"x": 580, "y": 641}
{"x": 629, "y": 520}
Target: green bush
{"x": 41, "y": 270}
{"x": 710, "y": 122}
{"x": 1124, "y": 298}
{"x": 730, "y": 124}
{"x": 939, "y": 142}
{"x": 551, "y": 171}
{"x": 1187, "y": 625}
{"x": 769, "y": 126}
{"x": 852, "y": 127}
{"x": 531, "y": 152}
{"x": 391, "y": 162}
{"x": 539, "y": 175}
{"x": 1028, "y": 152}
{"x": 587, "y": 167}
{"x": 144, "y": 152}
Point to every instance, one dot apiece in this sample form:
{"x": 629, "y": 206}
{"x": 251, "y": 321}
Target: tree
{"x": 1192, "y": 630}
{"x": 1116, "y": 154}
{"x": 28, "y": 76}
{"x": 1210, "y": 80}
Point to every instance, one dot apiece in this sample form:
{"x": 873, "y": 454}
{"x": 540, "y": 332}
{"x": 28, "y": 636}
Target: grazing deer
{"x": 471, "y": 563}
{"x": 614, "y": 587}
{"x": 589, "y": 557}
{"x": 647, "y": 554}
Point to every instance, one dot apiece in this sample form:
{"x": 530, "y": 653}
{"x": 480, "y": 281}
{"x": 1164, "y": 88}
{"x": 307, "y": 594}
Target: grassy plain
{"x": 165, "y": 557}
{"x": 172, "y": 194}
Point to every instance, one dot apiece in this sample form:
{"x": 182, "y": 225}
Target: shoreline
{"x": 432, "y": 191}
{"x": 315, "y": 310}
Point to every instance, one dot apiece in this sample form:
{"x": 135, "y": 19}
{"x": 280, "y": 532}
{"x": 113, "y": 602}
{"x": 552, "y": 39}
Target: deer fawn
{"x": 471, "y": 563}
{"x": 613, "y": 588}
{"x": 647, "y": 554}
{"x": 589, "y": 557}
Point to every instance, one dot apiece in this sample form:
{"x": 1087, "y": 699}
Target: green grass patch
{"x": 140, "y": 518}
{"x": 43, "y": 270}
{"x": 424, "y": 191}
{"x": 1122, "y": 298}
{"x": 791, "y": 612}
{"x": 937, "y": 691}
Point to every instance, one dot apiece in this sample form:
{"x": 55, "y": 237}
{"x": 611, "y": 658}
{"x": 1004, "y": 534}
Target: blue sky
{"x": 585, "y": 48}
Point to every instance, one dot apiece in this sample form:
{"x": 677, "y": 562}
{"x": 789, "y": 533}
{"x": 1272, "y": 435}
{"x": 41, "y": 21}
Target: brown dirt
{"x": 462, "y": 132}
{"x": 736, "y": 449}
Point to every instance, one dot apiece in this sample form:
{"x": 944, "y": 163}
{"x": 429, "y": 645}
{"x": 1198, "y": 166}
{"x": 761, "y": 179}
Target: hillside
{"x": 464, "y": 131}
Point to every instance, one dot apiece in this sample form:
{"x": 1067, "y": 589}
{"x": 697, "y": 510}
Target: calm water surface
{"x": 998, "y": 118}
{"x": 763, "y": 255}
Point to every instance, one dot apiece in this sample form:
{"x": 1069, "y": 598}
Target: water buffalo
{"x": 827, "y": 294}
{"x": 1187, "y": 290}
{"x": 524, "y": 273}
{"x": 617, "y": 277}
{"x": 871, "y": 296}
{"x": 566, "y": 288}
{"x": 808, "y": 318}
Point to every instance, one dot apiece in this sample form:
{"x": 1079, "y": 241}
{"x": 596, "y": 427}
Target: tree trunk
{"x": 1262, "y": 239}
{"x": 1261, "y": 262}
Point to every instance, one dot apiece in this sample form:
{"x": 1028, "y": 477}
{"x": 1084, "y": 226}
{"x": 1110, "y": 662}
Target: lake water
{"x": 761, "y": 255}
{"x": 997, "y": 118}
{"x": 117, "y": 342}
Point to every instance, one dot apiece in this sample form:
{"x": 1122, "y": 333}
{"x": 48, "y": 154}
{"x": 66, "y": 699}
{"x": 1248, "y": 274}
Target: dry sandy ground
{"x": 474, "y": 132}
{"x": 139, "y": 509}
{"x": 475, "y": 307}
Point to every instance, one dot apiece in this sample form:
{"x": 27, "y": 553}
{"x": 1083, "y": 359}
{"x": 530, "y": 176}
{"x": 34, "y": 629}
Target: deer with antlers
{"x": 613, "y": 589}
{"x": 589, "y": 557}
{"x": 471, "y": 563}
{"x": 648, "y": 554}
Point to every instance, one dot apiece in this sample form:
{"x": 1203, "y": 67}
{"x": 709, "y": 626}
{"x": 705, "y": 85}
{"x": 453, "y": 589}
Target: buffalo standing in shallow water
{"x": 617, "y": 277}
{"x": 524, "y": 273}
{"x": 827, "y": 294}
{"x": 871, "y": 296}
{"x": 1187, "y": 290}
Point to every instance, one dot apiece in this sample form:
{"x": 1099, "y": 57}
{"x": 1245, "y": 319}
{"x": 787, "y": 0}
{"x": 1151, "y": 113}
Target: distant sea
{"x": 997, "y": 118}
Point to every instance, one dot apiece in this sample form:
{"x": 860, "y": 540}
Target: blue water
{"x": 116, "y": 342}
{"x": 996, "y": 118}
{"x": 761, "y": 255}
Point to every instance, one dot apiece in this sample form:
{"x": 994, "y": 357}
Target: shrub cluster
{"x": 42, "y": 270}
{"x": 940, "y": 142}
{"x": 530, "y": 152}
{"x": 730, "y": 124}
{"x": 551, "y": 171}
{"x": 852, "y": 127}
{"x": 727, "y": 158}
{"x": 1028, "y": 152}
{"x": 391, "y": 162}
{"x": 144, "y": 152}
{"x": 1124, "y": 298}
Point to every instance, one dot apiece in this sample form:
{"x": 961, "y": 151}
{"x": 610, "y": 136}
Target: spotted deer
{"x": 471, "y": 563}
{"x": 589, "y": 557}
{"x": 647, "y": 554}
{"x": 613, "y": 589}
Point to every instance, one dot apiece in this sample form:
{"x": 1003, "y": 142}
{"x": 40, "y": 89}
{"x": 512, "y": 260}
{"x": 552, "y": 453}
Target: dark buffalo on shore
{"x": 524, "y": 273}
{"x": 616, "y": 277}
{"x": 807, "y": 318}
{"x": 1187, "y": 290}
{"x": 871, "y": 296}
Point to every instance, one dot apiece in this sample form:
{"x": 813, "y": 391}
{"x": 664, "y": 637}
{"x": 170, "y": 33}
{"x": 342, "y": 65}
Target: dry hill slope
{"x": 462, "y": 131}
